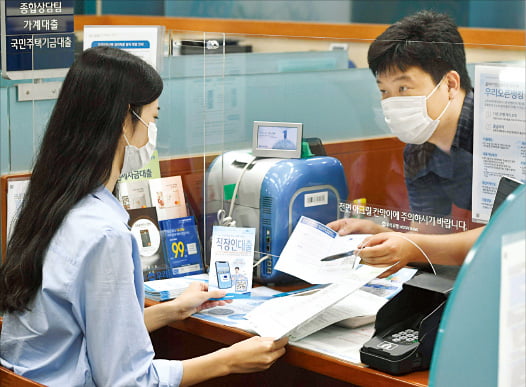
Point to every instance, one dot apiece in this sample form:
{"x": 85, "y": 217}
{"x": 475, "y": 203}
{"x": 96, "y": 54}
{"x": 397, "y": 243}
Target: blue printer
{"x": 272, "y": 194}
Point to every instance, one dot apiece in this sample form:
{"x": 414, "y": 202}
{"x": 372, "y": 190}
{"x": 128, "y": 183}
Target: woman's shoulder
{"x": 88, "y": 231}
{"x": 92, "y": 218}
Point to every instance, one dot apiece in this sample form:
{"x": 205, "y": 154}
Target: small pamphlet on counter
{"x": 181, "y": 246}
{"x": 167, "y": 289}
{"x": 231, "y": 258}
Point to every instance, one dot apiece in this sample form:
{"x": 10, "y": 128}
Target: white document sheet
{"x": 308, "y": 244}
{"x": 16, "y": 189}
{"x": 297, "y": 315}
{"x": 340, "y": 343}
{"x": 358, "y": 303}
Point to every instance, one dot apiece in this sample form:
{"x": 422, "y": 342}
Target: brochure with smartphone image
{"x": 145, "y": 228}
{"x": 232, "y": 255}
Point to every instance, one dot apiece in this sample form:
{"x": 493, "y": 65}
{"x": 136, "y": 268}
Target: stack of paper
{"x": 301, "y": 314}
{"x": 167, "y": 289}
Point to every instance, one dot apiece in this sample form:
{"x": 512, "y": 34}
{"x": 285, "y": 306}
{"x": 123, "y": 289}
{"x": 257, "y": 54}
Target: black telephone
{"x": 406, "y": 326}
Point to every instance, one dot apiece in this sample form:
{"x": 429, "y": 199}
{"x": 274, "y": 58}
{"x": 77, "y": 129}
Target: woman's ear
{"x": 127, "y": 126}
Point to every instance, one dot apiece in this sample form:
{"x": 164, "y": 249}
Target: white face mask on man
{"x": 136, "y": 158}
{"x": 408, "y": 119}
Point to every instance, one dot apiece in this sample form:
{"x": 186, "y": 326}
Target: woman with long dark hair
{"x": 71, "y": 286}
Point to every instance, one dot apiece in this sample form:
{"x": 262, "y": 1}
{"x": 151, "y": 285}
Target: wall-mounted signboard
{"x": 499, "y": 135}
{"x": 37, "y": 38}
{"x": 144, "y": 41}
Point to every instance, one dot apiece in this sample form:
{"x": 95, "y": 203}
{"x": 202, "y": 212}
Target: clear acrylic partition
{"x": 334, "y": 94}
{"x": 192, "y": 120}
{"x": 216, "y": 85}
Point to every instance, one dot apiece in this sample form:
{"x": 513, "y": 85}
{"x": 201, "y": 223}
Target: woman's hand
{"x": 347, "y": 226}
{"x": 386, "y": 249}
{"x": 254, "y": 354}
{"x": 196, "y": 298}
{"x": 250, "y": 355}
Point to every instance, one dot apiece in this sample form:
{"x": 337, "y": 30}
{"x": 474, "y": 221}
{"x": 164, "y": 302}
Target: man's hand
{"x": 347, "y": 226}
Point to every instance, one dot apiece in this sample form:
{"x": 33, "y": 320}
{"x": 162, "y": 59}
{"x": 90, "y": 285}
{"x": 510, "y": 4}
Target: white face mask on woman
{"x": 408, "y": 119}
{"x": 136, "y": 158}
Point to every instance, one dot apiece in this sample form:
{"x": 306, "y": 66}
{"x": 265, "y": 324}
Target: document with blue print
{"x": 170, "y": 288}
{"x": 234, "y": 314}
{"x": 311, "y": 242}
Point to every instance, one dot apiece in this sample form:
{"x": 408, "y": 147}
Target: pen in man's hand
{"x": 338, "y": 256}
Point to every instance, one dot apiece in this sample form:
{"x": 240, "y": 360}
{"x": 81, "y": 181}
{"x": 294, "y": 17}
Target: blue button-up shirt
{"x": 85, "y": 327}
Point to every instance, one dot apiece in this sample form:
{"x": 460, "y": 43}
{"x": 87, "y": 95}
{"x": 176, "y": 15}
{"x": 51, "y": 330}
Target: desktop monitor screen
{"x": 277, "y": 139}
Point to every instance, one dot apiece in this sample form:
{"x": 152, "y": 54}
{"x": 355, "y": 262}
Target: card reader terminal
{"x": 407, "y": 325}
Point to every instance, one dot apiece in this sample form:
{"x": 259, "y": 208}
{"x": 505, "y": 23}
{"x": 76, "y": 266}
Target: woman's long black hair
{"x": 75, "y": 157}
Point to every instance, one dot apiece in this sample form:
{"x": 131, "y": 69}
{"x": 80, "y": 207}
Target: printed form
{"x": 297, "y": 315}
{"x": 309, "y": 243}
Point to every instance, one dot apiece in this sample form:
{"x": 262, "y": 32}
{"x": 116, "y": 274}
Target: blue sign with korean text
{"x": 37, "y": 35}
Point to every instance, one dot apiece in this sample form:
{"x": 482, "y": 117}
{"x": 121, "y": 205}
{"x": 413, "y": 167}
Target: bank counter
{"x": 298, "y": 367}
